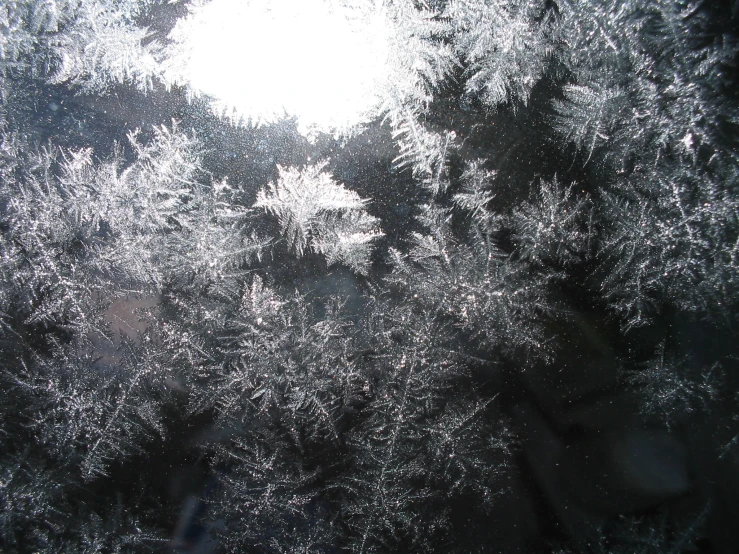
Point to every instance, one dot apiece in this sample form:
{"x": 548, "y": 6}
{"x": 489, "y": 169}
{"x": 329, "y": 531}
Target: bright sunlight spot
{"x": 313, "y": 59}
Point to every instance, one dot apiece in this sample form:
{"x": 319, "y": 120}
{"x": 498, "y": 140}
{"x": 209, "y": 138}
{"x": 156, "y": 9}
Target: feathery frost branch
{"x": 316, "y": 213}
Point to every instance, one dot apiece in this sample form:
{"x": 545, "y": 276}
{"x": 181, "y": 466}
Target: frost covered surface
{"x": 499, "y": 315}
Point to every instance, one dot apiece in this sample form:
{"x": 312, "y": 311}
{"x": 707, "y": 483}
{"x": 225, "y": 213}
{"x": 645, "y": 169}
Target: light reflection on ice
{"x": 312, "y": 59}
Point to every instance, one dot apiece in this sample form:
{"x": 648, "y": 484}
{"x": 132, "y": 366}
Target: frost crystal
{"x": 318, "y": 214}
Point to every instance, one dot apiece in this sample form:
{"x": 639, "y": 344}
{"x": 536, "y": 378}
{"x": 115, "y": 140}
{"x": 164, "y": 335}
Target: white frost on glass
{"x": 318, "y": 214}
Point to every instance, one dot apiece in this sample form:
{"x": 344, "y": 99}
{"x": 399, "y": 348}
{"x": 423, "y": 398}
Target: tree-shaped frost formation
{"x": 320, "y": 215}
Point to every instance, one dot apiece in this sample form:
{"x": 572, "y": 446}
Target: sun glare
{"x": 311, "y": 59}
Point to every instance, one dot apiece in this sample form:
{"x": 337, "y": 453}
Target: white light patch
{"x": 311, "y": 59}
